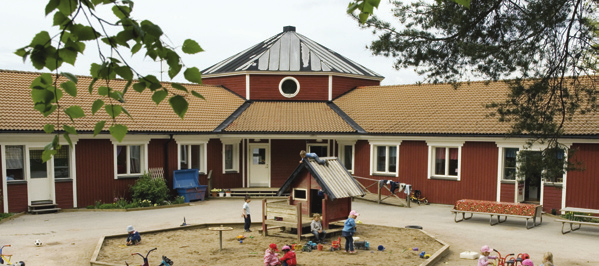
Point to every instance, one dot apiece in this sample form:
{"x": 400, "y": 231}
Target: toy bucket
{"x": 319, "y": 247}
{"x": 299, "y": 247}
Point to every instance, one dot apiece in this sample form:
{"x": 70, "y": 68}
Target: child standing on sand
{"x": 246, "y": 214}
{"x": 349, "y": 228}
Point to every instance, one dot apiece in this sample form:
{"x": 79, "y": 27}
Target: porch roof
{"x": 333, "y": 178}
{"x": 289, "y": 117}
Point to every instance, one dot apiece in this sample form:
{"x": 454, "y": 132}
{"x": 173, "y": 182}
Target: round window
{"x": 289, "y": 87}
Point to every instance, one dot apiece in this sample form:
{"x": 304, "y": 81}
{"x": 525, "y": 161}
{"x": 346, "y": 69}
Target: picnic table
{"x": 499, "y": 209}
{"x": 582, "y": 213}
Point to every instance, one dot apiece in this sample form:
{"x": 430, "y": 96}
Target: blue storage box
{"x": 187, "y": 184}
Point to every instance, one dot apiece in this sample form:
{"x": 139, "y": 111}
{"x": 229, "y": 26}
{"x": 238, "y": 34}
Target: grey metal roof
{"x": 333, "y": 178}
{"x": 289, "y": 51}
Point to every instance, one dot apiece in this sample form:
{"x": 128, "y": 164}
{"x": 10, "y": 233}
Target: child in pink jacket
{"x": 270, "y": 255}
{"x": 483, "y": 260}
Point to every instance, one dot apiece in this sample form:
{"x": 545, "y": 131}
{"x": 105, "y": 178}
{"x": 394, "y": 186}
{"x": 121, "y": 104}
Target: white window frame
{"x": 341, "y": 151}
{"x": 373, "y": 159}
{"x": 235, "y": 144}
{"x": 321, "y": 145}
{"x": 502, "y": 164}
{"x": 288, "y": 95}
{"x": 431, "y": 159}
{"x": 129, "y": 141}
{"x": 203, "y": 154}
{"x": 303, "y": 189}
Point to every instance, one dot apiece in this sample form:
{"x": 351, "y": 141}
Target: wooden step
{"x": 42, "y": 207}
{"x": 49, "y": 210}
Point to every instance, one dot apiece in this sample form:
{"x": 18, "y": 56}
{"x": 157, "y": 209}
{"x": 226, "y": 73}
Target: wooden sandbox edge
{"x": 437, "y": 255}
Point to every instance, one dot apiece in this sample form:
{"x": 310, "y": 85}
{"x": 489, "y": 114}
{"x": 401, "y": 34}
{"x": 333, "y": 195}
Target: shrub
{"x": 179, "y": 200}
{"x": 147, "y": 188}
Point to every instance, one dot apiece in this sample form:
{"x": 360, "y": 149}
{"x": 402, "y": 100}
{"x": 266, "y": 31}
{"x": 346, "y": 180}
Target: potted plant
{"x": 221, "y": 193}
{"x": 214, "y": 192}
{"x": 228, "y": 193}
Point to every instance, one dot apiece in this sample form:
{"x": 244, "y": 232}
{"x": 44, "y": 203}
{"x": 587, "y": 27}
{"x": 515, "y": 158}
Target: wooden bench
{"x": 587, "y": 213}
{"x": 499, "y": 209}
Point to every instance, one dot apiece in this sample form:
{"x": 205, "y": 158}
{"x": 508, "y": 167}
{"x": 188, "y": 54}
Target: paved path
{"x": 71, "y": 237}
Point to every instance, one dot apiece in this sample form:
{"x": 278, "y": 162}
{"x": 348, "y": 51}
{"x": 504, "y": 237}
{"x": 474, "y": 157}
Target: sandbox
{"x": 196, "y": 245}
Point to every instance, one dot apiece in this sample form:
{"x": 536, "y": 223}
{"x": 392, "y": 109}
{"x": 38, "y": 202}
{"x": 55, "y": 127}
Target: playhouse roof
{"x": 333, "y": 178}
{"x": 289, "y": 51}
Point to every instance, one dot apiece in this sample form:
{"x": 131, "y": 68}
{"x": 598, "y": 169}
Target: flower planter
{"x": 228, "y": 193}
{"x": 221, "y": 194}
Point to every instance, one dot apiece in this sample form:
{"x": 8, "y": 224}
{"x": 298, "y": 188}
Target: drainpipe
{"x": 166, "y": 158}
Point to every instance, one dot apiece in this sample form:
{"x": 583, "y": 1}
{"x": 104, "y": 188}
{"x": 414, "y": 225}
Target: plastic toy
{"x": 422, "y": 254}
{"x": 5, "y": 258}
{"x": 240, "y": 237}
{"x": 38, "y": 243}
{"x": 336, "y": 244}
{"x": 165, "y": 261}
{"x": 502, "y": 261}
{"x": 416, "y": 196}
{"x": 381, "y": 248}
{"x": 362, "y": 245}
{"x": 415, "y": 249}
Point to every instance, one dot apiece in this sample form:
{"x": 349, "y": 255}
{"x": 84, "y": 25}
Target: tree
{"x": 78, "y": 24}
{"x": 547, "y": 49}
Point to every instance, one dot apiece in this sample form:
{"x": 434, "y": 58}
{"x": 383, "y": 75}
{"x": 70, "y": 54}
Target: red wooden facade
{"x": 507, "y": 192}
{"x": 583, "y": 186}
{"x": 342, "y": 85}
{"x": 17, "y": 195}
{"x": 312, "y": 88}
{"x": 234, "y": 83}
{"x": 64, "y": 194}
{"x": 552, "y": 198}
{"x": 284, "y": 159}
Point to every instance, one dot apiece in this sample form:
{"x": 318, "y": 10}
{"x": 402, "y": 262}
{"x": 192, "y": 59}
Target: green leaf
{"x": 121, "y": 11}
{"x": 151, "y": 28}
{"x": 42, "y": 96}
{"x": 74, "y": 112}
{"x": 465, "y": 3}
{"x": 49, "y": 128}
{"x": 139, "y": 87}
{"x": 117, "y": 95}
{"x": 179, "y": 105}
{"x": 125, "y": 72}
{"x": 52, "y": 4}
{"x": 91, "y": 85}
{"x": 113, "y": 110}
{"x": 42, "y": 38}
{"x": 69, "y": 129}
{"x": 97, "y": 105}
{"x": 70, "y": 88}
{"x": 70, "y": 76}
{"x": 197, "y": 94}
{"x": 152, "y": 82}
{"x": 173, "y": 60}
{"x": 135, "y": 48}
{"x": 84, "y": 33}
{"x": 67, "y": 7}
{"x": 68, "y": 138}
{"x": 127, "y": 87}
{"x": 103, "y": 90}
{"x": 127, "y": 113}
{"x": 179, "y": 87}
{"x": 193, "y": 75}
{"x": 42, "y": 81}
{"x": 159, "y": 96}
{"x": 98, "y": 128}
{"x": 47, "y": 154}
{"x": 118, "y": 131}
{"x": 191, "y": 47}
{"x": 60, "y": 19}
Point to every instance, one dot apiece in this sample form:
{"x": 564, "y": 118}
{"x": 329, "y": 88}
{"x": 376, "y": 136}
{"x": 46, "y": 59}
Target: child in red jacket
{"x": 289, "y": 258}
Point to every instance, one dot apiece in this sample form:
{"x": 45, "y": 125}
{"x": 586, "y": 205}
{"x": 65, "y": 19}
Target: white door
{"x": 40, "y": 184}
{"x": 259, "y": 171}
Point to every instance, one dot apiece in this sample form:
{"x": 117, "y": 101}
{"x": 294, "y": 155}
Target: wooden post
{"x": 299, "y": 221}
{"x": 325, "y": 218}
{"x": 220, "y": 240}
{"x": 378, "y": 186}
{"x": 264, "y": 226}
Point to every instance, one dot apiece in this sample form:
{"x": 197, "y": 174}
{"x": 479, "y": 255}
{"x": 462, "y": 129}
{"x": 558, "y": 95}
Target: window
{"x": 445, "y": 161}
{"x": 130, "y": 160}
{"x": 509, "y": 163}
{"x": 385, "y": 159}
{"x": 37, "y": 167}
{"x": 62, "y": 163}
{"x": 230, "y": 157}
{"x": 192, "y": 157}
{"x": 14, "y": 163}
{"x": 322, "y": 150}
{"x": 289, "y": 87}
{"x": 347, "y": 156}
{"x": 300, "y": 194}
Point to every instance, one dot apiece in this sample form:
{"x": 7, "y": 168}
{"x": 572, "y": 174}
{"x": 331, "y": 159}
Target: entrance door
{"x": 40, "y": 185}
{"x": 530, "y": 188}
{"x": 259, "y": 172}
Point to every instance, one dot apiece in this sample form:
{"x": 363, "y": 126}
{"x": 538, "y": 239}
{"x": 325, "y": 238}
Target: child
{"x": 270, "y": 257}
{"x": 547, "y": 259}
{"x": 349, "y": 228}
{"x": 483, "y": 260}
{"x": 316, "y": 228}
{"x": 246, "y": 214}
{"x": 527, "y": 262}
{"x": 305, "y": 155}
{"x": 134, "y": 238}
{"x": 289, "y": 258}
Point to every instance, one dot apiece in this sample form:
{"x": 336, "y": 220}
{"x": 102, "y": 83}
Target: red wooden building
{"x": 265, "y": 104}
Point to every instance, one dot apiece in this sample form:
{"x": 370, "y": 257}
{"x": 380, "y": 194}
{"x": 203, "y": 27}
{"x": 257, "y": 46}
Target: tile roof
{"x": 438, "y": 109}
{"x": 289, "y": 117}
{"x": 16, "y": 107}
{"x": 333, "y": 178}
{"x": 289, "y": 51}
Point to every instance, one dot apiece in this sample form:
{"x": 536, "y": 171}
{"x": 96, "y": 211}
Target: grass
{"x": 5, "y": 215}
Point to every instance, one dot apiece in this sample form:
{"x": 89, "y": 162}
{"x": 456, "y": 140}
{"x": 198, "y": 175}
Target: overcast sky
{"x": 222, "y": 28}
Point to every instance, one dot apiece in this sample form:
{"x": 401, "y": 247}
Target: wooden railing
{"x": 279, "y": 214}
{"x": 378, "y": 196}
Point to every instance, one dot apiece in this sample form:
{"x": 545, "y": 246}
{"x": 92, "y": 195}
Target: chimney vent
{"x": 288, "y": 28}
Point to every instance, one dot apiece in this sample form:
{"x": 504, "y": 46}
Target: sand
{"x": 201, "y": 247}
